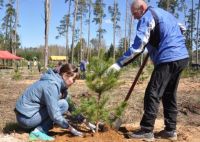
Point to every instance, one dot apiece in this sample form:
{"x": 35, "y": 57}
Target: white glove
{"x": 114, "y": 67}
{"x": 92, "y": 127}
{"x": 75, "y": 132}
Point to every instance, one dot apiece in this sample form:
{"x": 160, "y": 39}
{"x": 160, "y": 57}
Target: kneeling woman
{"x": 42, "y": 104}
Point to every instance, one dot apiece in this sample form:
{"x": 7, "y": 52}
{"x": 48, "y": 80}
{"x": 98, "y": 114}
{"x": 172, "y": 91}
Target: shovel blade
{"x": 117, "y": 123}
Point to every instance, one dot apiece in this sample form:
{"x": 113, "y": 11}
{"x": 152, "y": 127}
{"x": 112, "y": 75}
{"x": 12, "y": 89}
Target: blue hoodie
{"x": 43, "y": 93}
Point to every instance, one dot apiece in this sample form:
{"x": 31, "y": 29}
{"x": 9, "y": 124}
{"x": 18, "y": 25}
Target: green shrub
{"x": 17, "y": 75}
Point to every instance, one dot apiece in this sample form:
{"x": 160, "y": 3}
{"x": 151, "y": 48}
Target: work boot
{"x": 171, "y": 135}
{"x": 142, "y": 134}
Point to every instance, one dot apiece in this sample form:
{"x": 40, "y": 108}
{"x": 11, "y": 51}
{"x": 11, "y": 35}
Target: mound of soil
{"x": 185, "y": 134}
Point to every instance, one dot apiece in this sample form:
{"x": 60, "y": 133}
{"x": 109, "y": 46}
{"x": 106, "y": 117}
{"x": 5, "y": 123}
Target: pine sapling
{"x": 99, "y": 80}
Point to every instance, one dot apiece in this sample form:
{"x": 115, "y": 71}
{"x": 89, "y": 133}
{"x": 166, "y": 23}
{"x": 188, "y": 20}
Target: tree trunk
{"x": 73, "y": 31}
{"x": 99, "y": 44}
{"x": 81, "y": 41}
{"x": 125, "y": 48}
{"x": 130, "y": 30}
{"x": 15, "y": 27}
{"x": 10, "y": 35}
{"x": 47, "y": 18}
{"x": 197, "y": 40}
{"x": 89, "y": 16}
{"x": 100, "y": 32}
{"x": 192, "y": 32}
{"x": 67, "y": 30}
{"x": 114, "y": 30}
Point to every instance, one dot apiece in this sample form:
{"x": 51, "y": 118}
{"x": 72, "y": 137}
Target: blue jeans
{"x": 41, "y": 119}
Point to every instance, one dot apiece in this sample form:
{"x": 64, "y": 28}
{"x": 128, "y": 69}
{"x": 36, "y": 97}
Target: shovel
{"x": 117, "y": 123}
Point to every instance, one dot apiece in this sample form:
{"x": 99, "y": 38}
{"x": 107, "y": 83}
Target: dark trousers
{"x": 162, "y": 86}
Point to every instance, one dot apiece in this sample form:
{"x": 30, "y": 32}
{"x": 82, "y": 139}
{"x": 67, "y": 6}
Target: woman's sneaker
{"x": 33, "y": 136}
{"x": 141, "y": 134}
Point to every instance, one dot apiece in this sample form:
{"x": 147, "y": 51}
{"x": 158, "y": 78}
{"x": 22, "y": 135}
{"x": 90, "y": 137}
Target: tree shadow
{"x": 123, "y": 131}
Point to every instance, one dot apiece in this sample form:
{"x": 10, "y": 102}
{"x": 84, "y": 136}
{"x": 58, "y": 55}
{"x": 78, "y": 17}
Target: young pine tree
{"x": 99, "y": 80}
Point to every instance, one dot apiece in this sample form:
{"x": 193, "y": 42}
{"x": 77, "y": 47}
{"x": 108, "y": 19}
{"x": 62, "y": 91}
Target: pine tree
{"x": 81, "y": 13}
{"x": 8, "y": 24}
{"x": 197, "y": 39}
{"x": 99, "y": 80}
{"x": 123, "y": 43}
{"x": 191, "y": 19}
{"x": 99, "y": 14}
{"x": 115, "y": 18}
{"x": 169, "y": 5}
{"x": 73, "y": 30}
{"x": 88, "y": 21}
{"x": 67, "y": 26}
{"x": 109, "y": 53}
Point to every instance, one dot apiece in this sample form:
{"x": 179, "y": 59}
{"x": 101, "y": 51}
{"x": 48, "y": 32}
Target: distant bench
{"x": 5, "y": 67}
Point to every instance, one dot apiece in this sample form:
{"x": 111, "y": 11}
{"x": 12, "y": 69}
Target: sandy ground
{"x": 188, "y": 102}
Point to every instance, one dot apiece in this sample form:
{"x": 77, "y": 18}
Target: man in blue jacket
{"x": 160, "y": 32}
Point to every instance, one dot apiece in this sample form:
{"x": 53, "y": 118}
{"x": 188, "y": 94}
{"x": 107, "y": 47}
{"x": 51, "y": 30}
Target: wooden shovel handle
{"x": 136, "y": 78}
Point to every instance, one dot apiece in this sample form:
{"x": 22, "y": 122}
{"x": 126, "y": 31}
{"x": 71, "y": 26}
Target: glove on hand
{"x": 75, "y": 132}
{"x": 91, "y": 126}
{"x": 114, "y": 67}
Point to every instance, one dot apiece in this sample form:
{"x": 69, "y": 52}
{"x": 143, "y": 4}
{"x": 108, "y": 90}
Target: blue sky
{"x": 31, "y": 19}
{"x": 32, "y": 22}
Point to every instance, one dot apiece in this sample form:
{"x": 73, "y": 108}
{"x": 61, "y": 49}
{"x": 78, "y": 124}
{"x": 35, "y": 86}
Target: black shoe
{"x": 141, "y": 134}
{"x": 171, "y": 135}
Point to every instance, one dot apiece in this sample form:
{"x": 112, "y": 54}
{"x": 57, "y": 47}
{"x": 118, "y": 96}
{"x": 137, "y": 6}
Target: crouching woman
{"x": 42, "y": 104}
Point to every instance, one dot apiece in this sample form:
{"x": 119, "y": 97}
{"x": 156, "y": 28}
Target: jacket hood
{"x": 53, "y": 77}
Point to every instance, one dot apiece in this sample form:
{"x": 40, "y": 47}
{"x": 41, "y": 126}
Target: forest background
{"x": 80, "y": 29}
